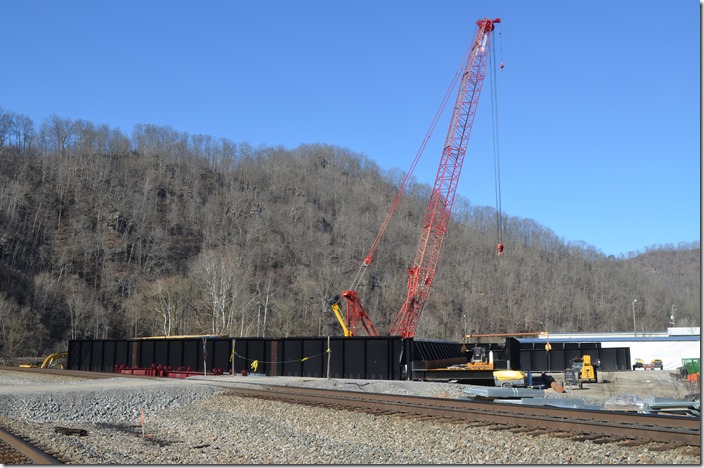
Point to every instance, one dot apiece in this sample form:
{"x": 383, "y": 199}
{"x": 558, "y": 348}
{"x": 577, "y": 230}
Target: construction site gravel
{"x": 173, "y": 421}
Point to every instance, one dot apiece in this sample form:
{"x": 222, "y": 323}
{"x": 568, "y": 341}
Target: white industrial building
{"x": 671, "y": 346}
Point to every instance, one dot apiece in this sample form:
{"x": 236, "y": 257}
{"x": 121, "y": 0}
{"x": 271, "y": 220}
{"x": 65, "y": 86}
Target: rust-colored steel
{"x": 72, "y": 373}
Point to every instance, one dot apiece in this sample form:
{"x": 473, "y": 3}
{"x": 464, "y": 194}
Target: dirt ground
{"x": 643, "y": 384}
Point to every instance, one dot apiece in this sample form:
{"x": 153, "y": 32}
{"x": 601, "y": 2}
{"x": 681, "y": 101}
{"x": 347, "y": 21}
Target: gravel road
{"x": 189, "y": 422}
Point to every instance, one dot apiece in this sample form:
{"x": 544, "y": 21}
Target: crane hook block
{"x": 499, "y": 248}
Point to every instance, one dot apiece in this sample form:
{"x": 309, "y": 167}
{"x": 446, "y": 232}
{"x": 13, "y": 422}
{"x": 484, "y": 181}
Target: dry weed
{"x": 609, "y": 384}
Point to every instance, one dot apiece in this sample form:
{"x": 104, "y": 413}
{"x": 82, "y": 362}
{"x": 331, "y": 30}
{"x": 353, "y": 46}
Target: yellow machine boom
{"x": 335, "y": 306}
{"x": 51, "y": 360}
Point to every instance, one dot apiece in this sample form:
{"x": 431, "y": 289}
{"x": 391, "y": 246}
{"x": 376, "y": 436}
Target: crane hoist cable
{"x": 399, "y": 194}
{"x": 439, "y": 209}
{"x": 495, "y": 134}
{"x": 501, "y": 46}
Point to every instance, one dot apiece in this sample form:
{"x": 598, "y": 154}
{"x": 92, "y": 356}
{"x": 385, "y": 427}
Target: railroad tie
{"x": 518, "y": 430}
{"x": 528, "y": 430}
{"x": 70, "y": 431}
{"x": 593, "y": 437}
{"x": 496, "y": 427}
{"x": 606, "y": 440}
{"x": 663, "y": 447}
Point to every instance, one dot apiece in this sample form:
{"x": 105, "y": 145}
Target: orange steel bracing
{"x": 494, "y": 335}
{"x": 437, "y": 215}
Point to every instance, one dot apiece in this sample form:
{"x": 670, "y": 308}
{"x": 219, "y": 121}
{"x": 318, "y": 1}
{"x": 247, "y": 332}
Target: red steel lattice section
{"x": 437, "y": 215}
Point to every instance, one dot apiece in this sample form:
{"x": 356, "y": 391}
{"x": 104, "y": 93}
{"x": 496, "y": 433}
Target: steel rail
{"x": 73, "y": 373}
{"x": 625, "y": 425}
{"x": 35, "y": 455}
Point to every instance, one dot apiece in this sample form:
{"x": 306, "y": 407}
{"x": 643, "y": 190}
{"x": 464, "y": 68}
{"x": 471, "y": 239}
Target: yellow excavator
{"x": 51, "y": 361}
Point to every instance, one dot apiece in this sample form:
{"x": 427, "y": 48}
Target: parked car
{"x": 656, "y": 364}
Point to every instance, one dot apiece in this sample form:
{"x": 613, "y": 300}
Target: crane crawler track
{"x": 618, "y": 426}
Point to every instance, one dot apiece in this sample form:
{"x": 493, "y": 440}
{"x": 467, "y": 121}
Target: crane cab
{"x": 480, "y": 360}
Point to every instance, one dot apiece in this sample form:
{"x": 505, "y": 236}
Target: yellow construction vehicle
{"x": 654, "y": 364}
{"x": 334, "y": 303}
{"x": 480, "y": 361}
{"x": 581, "y": 371}
{"x": 509, "y": 378}
{"x": 588, "y": 370}
{"x": 51, "y": 361}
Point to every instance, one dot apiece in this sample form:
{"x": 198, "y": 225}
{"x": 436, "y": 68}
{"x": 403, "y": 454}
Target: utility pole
{"x": 634, "y": 316}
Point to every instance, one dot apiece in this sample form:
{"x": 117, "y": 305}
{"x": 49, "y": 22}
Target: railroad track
{"x": 626, "y": 428}
{"x": 597, "y": 426}
{"x": 72, "y": 373}
{"x": 17, "y": 451}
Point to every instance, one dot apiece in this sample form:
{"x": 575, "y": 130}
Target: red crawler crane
{"x": 437, "y": 215}
{"x": 439, "y": 209}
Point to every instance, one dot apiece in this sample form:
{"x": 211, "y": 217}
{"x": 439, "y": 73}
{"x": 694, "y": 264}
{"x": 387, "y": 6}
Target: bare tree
{"x": 213, "y": 274}
{"x": 24, "y": 133}
{"x": 102, "y": 234}
{"x": 167, "y": 297}
{"x": 59, "y": 132}
{"x": 6, "y": 126}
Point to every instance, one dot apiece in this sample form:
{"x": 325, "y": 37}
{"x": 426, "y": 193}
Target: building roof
{"x": 604, "y": 338}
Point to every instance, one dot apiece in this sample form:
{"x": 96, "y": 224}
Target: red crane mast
{"x": 439, "y": 209}
{"x": 437, "y": 215}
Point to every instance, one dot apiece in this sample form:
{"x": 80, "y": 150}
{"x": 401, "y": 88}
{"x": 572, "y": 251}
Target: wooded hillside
{"x": 105, "y": 235}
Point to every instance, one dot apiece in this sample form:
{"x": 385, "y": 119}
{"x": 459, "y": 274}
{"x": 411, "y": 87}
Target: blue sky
{"x": 599, "y": 102}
